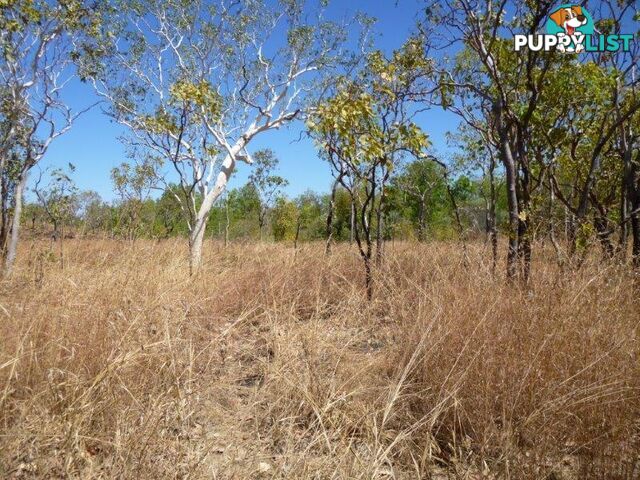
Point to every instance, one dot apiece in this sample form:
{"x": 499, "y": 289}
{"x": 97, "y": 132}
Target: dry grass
{"x": 272, "y": 365}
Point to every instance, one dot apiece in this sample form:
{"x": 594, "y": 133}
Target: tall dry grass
{"x": 271, "y": 364}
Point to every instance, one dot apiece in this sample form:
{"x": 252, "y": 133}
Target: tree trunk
{"x": 196, "y": 236}
{"x": 12, "y": 248}
{"x": 635, "y": 230}
{"x": 512, "y": 202}
{"x": 492, "y": 232}
{"x": 261, "y": 221}
{"x": 352, "y": 222}
{"x": 604, "y": 235}
{"x": 552, "y": 227}
{"x": 196, "y": 239}
{"x": 368, "y": 278}
{"x": 380, "y": 214}
{"x": 4, "y": 212}
{"x": 634, "y": 201}
{"x": 524, "y": 232}
{"x": 329, "y": 229}
{"x": 226, "y": 226}
{"x": 624, "y": 219}
{"x": 379, "y": 233}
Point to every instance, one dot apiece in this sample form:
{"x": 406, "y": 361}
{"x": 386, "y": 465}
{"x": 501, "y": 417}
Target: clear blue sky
{"x": 93, "y": 146}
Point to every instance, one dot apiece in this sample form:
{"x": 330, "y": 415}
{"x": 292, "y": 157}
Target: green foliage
{"x": 284, "y": 220}
{"x": 59, "y": 197}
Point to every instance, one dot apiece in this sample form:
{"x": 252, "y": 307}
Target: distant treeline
{"x": 417, "y": 205}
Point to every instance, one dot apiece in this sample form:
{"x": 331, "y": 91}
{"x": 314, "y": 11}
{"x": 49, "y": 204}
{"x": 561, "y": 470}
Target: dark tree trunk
{"x": 490, "y": 217}
{"x": 604, "y": 235}
{"x": 329, "y": 228}
{"x": 295, "y": 240}
{"x": 4, "y": 208}
{"x": 524, "y": 233}
{"x": 635, "y": 230}
{"x": 380, "y": 222}
{"x": 4, "y": 214}
{"x": 624, "y": 218}
{"x": 352, "y": 222}
{"x": 512, "y": 201}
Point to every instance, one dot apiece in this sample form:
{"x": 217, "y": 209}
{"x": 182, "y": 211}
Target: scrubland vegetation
{"x": 461, "y": 305}
{"x": 271, "y": 363}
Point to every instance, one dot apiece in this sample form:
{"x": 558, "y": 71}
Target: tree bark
{"x": 196, "y": 236}
{"x": 512, "y": 200}
{"x": 4, "y": 220}
{"x": 352, "y": 223}
{"x": 635, "y": 230}
{"x": 12, "y": 247}
{"x": 492, "y": 233}
{"x": 329, "y": 229}
{"x": 379, "y": 231}
{"x": 196, "y": 239}
{"x": 524, "y": 233}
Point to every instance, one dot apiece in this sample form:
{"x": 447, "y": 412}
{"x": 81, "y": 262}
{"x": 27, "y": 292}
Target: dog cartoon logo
{"x": 570, "y": 28}
{"x": 574, "y": 22}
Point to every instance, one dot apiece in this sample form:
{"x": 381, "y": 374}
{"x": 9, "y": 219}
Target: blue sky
{"x": 93, "y": 146}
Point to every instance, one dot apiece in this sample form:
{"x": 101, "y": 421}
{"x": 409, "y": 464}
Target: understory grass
{"x": 270, "y": 363}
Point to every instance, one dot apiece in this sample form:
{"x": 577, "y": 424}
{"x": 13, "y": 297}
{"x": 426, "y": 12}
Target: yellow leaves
{"x": 160, "y": 123}
{"x": 200, "y": 94}
{"x": 350, "y": 123}
{"x": 411, "y": 137}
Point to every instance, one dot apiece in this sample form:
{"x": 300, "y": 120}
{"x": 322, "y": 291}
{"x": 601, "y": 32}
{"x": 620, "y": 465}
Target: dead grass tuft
{"x": 271, "y": 364}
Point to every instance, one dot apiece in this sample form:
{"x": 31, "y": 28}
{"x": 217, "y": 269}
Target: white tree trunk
{"x": 15, "y": 226}
{"x": 196, "y": 236}
{"x": 196, "y": 239}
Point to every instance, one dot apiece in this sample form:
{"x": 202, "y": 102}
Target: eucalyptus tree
{"x": 197, "y": 81}
{"x": 616, "y": 17}
{"x": 39, "y": 41}
{"x": 422, "y": 184}
{"x": 478, "y": 152}
{"x": 504, "y": 95}
{"x": 134, "y": 184}
{"x": 58, "y": 198}
{"x": 496, "y": 91}
{"x": 573, "y": 148}
{"x": 267, "y": 185}
{"x": 365, "y": 128}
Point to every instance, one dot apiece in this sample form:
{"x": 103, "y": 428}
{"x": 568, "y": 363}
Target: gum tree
{"x": 365, "y": 128}
{"x": 196, "y": 82}
{"x": 59, "y": 200}
{"x": 268, "y": 186}
{"x": 39, "y": 41}
{"x": 496, "y": 91}
{"x": 134, "y": 184}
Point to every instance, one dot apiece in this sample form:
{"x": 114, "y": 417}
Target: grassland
{"x": 270, "y": 363}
